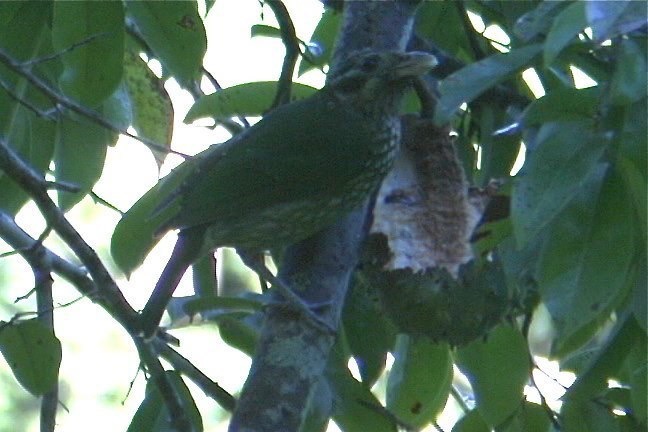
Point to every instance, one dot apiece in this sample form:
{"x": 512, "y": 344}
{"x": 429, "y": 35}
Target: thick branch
{"x": 292, "y": 354}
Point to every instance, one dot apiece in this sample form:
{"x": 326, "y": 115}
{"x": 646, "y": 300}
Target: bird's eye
{"x": 369, "y": 64}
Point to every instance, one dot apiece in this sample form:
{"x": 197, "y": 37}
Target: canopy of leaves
{"x": 572, "y": 162}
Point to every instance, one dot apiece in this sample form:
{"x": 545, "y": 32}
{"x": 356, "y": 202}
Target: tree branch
{"x": 290, "y": 41}
{"x": 107, "y": 293}
{"x": 62, "y": 100}
{"x": 291, "y": 354}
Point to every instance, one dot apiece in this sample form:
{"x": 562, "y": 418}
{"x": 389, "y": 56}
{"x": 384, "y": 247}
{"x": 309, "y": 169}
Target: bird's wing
{"x": 306, "y": 150}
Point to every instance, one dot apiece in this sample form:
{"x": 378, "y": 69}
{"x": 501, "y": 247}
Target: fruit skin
{"x": 295, "y": 172}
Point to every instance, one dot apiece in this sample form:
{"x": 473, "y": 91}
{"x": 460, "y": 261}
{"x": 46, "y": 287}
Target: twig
{"x": 185, "y": 367}
{"x": 177, "y": 415}
{"x": 48, "y": 115}
{"x": 105, "y": 203}
{"x": 62, "y": 186}
{"x": 62, "y": 100}
{"x": 41, "y": 267}
{"x": 290, "y": 41}
{"x": 68, "y": 49}
{"x": 543, "y": 401}
{"x": 459, "y": 398}
{"x": 108, "y": 293}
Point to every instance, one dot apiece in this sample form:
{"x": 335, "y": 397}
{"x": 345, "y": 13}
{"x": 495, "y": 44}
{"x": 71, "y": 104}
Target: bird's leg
{"x": 292, "y": 299}
{"x": 185, "y": 252}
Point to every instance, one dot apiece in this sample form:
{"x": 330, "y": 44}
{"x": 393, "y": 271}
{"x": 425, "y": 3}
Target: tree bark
{"x": 292, "y": 354}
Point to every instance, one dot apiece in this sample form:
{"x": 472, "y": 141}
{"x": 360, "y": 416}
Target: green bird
{"x": 295, "y": 172}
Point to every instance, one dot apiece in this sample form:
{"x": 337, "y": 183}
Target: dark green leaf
{"x": 579, "y": 279}
{"x": 442, "y": 23}
{"x": 538, "y": 20}
{"x": 134, "y": 236}
{"x": 323, "y": 38}
{"x": 152, "y": 414}
{"x": 498, "y": 152}
{"x": 249, "y": 99}
{"x": 368, "y": 333}
{"x": 33, "y": 354}
{"x": 152, "y": 109}
{"x": 609, "y": 19}
{"x": 356, "y": 409}
{"x": 239, "y": 333}
{"x": 530, "y": 417}
{"x": 586, "y": 416}
{"x": 265, "y": 31}
{"x": 607, "y": 362}
{"x": 564, "y": 29}
{"x": 79, "y": 156}
{"x": 564, "y": 104}
{"x": 21, "y": 45}
{"x": 629, "y": 79}
{"x": 33, "y": 138}
{"x": 471, "y": 422}
{"x": 92, "y": 70}
{"x": 497, "y": 395}
{"x": 474, "y": 79}
{"x": 176, "y": 34}
{"x": 419, "y": 381}
{"x": 561, "y": 159}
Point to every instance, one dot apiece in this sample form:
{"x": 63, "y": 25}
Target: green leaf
{"x": 134, "y": 235}
{"x": 579, "y": 279}
{"x": 443, "y": 23}
{"x": 563, "y": 104}
{"x": 586, "y": 416}
{"x": 152, "y": 108}
{"x": 560, "y": 160}
{"x": 564, "y": 29}
{"x": 176, "y": 34}
{"x": 33, "y": 138}
{"x": 33, "y": 354}
{"x": 607, "y": 362}
{"x": 497, "y": 395}
{"x": 629, "y": 79}
{"x": 263, "y": 30}
{"x": 498, "y": 152}
{"x": 609, "y": 19}
{"x": 356, "y": 408}
{"x": 94, "y": 69}
{"x": 323, "y": 38}
{"x": 474, "y": 79}
{"x": 152, "y": 414}
{"x": 368, "y": 333}
{"x": 419, "y": 381}
{"x": 249, "y": 99}
{"x": 238, "y": 332}
{"x": 530, "y": 417}
{"x": 538, "y": 20}
{"x": 22, "y": 45}
{"x": 471, "y": 422}
{"x": 79, "y": 156}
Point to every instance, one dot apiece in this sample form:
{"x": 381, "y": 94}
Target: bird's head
{"x": 370, "y": 77}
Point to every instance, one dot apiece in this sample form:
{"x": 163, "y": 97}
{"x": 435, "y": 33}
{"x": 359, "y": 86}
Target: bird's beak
{"x": 414, "y": 63}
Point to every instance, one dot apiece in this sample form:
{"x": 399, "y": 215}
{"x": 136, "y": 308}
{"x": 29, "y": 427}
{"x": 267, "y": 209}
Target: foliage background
{"x": 574, "y": 247}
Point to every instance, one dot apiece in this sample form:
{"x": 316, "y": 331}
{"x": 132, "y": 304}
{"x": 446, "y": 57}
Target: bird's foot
{"x": 295, "y": 304}
{"x": 290, "y": 299}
